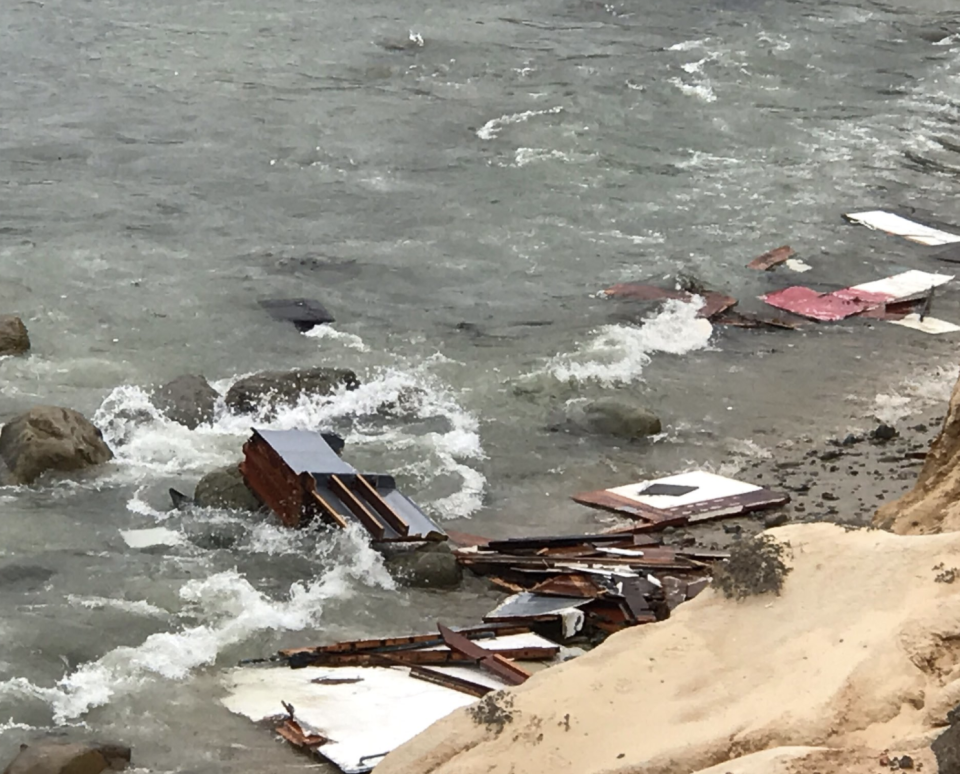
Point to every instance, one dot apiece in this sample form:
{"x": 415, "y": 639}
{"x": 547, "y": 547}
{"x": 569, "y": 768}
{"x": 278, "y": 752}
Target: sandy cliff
{"x": 859, "y": 654}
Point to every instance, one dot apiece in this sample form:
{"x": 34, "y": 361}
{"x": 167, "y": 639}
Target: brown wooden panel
{"x": 381, "y": 506}
{"x": 373, "y": 525}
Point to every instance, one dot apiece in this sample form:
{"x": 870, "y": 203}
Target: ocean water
{"x": 456, "y": 182}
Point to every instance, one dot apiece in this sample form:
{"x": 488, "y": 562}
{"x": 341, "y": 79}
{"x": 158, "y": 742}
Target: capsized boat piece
{"x": 299, "y": 476}
{"x": 899, "y": 226}
{"x": 714, "y": 497}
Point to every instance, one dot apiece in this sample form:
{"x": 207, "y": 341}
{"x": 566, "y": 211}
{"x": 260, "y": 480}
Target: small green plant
{"x": 756, "y": 566}
{"x": 495, "y": 711}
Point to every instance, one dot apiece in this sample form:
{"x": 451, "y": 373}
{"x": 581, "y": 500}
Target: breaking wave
{"x": 619, "y": 353}
{"x": 383, "y": 416}
{"x": 230, "y": 610}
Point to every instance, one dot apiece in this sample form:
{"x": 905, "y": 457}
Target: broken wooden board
{"x": 712, "y": 303}
{"x": 769, "y": 260}
{"x": 890, "y": 223}
{"x": 363, "y": 720}
{"x": 714, "y": 497}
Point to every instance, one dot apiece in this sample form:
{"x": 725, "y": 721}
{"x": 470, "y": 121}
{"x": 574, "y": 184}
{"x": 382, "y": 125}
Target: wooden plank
{"x": 770, "y": 259}
{"x": 418, "y": 640}
{"x": 372, "y": 524}
{"x": 495, "y": 663}
{"x": 328, "y": 510}
{"x": 381, "y": 506}
{"x": 450, "y": 681}
{"x": 414, "y": 657}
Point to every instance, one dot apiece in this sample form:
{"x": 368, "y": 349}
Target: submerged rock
{"x": 431, "y": 567}
{"x": 14, "y": 339}
{"x": 225, "y": 488}
{"x": 49, "y": 438}
{"x": 278, "y": 388}
{"x": 59, "y": 757}
{"x": 188, "y": 399}
{"x": 617, "y": 417}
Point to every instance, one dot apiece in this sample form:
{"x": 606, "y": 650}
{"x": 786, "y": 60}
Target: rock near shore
{"x": 49, "y": 438}
{"x": 58, "y": 757}
{"x": 225, "y": 488}
{"x": 14, "y": 339}
{"x": 188, "y": 399}
{"x": 618, "y": 417}
{"x": 271, "y": 389}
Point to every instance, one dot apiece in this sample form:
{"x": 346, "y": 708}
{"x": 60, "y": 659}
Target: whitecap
{"x": 494, "y": 126}
{"x": 328, "y": 332}
{"x": 231, "y": 610}
{"x": 619, "y": 354}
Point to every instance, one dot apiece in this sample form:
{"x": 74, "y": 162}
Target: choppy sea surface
{"x": 455, "y": 182}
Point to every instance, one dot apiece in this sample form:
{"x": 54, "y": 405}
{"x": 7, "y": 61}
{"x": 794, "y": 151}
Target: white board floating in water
{"x": 927, "y": 325}
{"x": 894, "y": 224}
{"x": 708, "y": 486}
{"x": 156, "y": 536}
{"x": 363, "y": 720}
{"x": 901, "y": 287}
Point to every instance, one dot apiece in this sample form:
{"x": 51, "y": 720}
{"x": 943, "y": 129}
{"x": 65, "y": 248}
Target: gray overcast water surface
{"x": 455, "y": 182}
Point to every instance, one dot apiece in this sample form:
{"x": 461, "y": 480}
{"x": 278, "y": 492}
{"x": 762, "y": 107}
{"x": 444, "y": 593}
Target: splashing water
{"x": 619, "y": 353}
{"x": 232, "y": 610}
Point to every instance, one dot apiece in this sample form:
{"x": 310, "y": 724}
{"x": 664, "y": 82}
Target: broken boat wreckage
{"x": 351, "y": 703}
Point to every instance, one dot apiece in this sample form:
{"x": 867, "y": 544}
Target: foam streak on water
{"x": 231, "y": 610}
{"x": 619, "y": 354}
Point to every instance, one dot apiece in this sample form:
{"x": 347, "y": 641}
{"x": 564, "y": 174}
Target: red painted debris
{"x": 824, "y": 306}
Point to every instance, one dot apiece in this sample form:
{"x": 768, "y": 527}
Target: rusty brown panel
{"x": 372, "y": 524}
{"x": 609, "y": 501}
{"x": 271, "y": 481}
{"x": 747, "y": 320}
{"x": 366, "y": 491}
{"x": 638, "y": 291}
{"x": 570, "y": 586}
{"x": 714, "y": 304}
{"x": 449, "y": 681}
{"x": 465, "y": 539}
{"x": 357, "y": 646}
{"x": 291, "y": 730}
{"x": 421, "y": 657}
{"x": 770, "y": 259}
{"x": 506, "y": 585}
{"x": 495, "y": 663}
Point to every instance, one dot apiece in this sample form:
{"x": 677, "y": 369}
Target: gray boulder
{"x": 61, "y": 757}
{"x": 278, "y": 388}
{"x": 225, "y": 488}
{"x": 49, "y": 438}
{"x": 617, "y": 417}
{"x": 14, "y": 339}
{"x": 431, "y": 567}
{"x": 188, "y": 399}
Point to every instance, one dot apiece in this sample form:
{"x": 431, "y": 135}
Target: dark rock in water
{"x": 884, "y": 433}
{"x": 24, "y": 576}
{"x": 225, "y": 488}
{"x": 216, "y": 537}
{"x": 278, "y": 388}
{"x": 334, "y": 441}
{"x": 179, "y": 499}
{"x": 188, "y": 399}
{"x": 14, "y": 339}
{"x": 49, "y": 438}
{"x": 304, "y": 313}
{"x": 851, "y": 440}
{"x": 59, "y": 757}
{"x": 833, "y": 454}
{"x": 772, "y": 520}
{"x": 617, "y": 417}
{"x": 432, "y": 567}
{"x": 946, "y": 747}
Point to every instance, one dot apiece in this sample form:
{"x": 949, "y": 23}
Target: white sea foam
{"x": 620, "y": 353}
{"x": 230, "y": 609}
{"x": 688, "y": 45}
{"x": 494, "y": 126}
{"x": 524, "y": 156}
{"x": 147, "y": 445}
{"x": 702, "y": 89}
{"x": 915, "y": 394}
{"x": 329, "y": 333}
